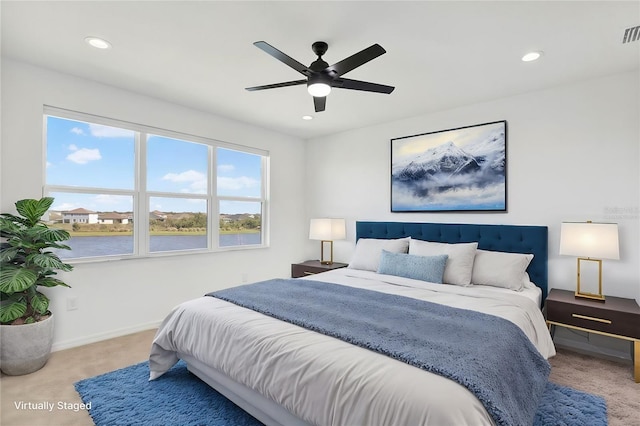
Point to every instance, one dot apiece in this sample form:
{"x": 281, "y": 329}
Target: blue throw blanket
{"x": 488, "y": 355}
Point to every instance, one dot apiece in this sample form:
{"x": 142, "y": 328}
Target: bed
{"x": 285, "y": 374}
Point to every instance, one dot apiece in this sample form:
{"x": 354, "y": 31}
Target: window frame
{"x": 141, "y": 196}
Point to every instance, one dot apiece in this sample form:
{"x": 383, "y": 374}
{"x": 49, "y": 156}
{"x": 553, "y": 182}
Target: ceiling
{"x": 440, "y": 55}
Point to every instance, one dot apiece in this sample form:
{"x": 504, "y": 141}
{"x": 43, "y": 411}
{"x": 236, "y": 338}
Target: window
{"x": 177, "y": 182}
{"x": 90, "y": 173}
{"x": 123, "y": 189}
{"x": 240, "y": 203}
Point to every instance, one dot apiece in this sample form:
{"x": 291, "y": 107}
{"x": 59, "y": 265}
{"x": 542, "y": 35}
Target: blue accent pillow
{"x": 425, "y": 268}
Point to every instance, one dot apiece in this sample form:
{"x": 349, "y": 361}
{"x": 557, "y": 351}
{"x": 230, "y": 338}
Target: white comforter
{"x": 326, "y": 381}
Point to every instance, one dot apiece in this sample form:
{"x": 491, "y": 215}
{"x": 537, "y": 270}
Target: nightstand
{"x": 311, "y": 267}
{"x": 615, "y": 317}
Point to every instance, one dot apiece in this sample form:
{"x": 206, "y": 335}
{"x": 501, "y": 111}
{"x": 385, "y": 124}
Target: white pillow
{"x": 368, "y": 251}
{"x": 527, "y": 283}
{"x": 459, "y": 264}
{"x": 499, "y": 269}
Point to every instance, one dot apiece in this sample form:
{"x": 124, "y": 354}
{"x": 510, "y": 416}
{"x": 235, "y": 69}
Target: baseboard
{"x": 85, "y": 340}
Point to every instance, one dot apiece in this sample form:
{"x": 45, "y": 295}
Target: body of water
{"x": 123, "y": 244}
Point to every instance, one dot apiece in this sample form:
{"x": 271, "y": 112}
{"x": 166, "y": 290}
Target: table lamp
{"x": 327, "y": 230}
{"x": 591, "y": 242}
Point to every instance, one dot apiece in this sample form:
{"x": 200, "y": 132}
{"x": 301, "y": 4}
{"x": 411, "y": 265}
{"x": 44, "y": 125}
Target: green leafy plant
{"x": 27, "y": 262}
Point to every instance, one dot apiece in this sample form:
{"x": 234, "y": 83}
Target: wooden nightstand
{"x": 615, "y": 317}
{"x": 311, "y": 267}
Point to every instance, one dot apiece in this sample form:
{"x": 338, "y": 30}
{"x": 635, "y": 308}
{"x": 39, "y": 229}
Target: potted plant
{"x": 26, "y": 263}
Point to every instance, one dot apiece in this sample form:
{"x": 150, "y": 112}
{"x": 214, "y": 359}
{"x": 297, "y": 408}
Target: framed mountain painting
{"x": 462, "y": 169}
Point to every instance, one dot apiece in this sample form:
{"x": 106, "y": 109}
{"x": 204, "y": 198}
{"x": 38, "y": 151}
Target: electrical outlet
{"x": 72, "y": 303}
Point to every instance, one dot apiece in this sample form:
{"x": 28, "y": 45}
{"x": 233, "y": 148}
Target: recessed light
{"x": 98, "y": 42}
{"x": 532, "y": 56}
{"x": 307, "y": 117}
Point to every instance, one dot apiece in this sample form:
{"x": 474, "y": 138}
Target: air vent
{"x": 631, "y": 34}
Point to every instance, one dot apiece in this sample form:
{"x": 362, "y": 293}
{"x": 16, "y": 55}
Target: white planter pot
{"x": 25, "y": 348}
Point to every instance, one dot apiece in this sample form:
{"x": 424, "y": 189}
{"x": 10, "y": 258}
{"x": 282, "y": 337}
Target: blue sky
{"x": 97, "y": 156}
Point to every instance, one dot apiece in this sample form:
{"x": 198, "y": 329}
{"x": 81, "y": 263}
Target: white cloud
{"x": 72, "y": 147}
{"x": 235, "y": 184}
{"x": 199, "y": 186}
{"x": 226, "y": 168}
{"x": 78, "y": 131}
{"x": 188, "y": 176}
{"x": 101, "y": 131}
{"x": 458, "y": 196}
{"x": 83, "y": 155}
{"x": 197, "y": 181}
{"x": 49, "y": 164}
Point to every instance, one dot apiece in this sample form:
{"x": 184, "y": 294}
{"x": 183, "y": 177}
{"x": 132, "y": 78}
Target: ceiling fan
{"x": 321, "y": 77}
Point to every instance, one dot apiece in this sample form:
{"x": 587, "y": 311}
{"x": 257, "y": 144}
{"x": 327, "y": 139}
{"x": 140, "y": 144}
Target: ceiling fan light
{"x": 319, "y": 90}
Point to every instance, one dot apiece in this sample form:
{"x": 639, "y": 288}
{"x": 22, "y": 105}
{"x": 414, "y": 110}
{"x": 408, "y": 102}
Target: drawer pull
{"x": 591, "y": 318}
{"x": 309, "y": 273}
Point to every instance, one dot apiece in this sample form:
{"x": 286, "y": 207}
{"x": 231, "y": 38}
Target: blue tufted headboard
{"x": 507, "y": 238}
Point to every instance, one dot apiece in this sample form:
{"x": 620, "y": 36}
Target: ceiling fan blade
{"x": 319, "y": 103}
{"x": 286, "y": 59}
{"x": 346, "y": 83}
{"x": 276, "y": 85}
{"x": 354, "y": 61}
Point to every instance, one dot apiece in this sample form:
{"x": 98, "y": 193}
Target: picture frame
{"x": 452, "y": 170}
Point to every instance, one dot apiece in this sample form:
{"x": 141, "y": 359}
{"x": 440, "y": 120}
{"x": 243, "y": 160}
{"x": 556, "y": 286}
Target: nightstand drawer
{"x": 598, "y": 318}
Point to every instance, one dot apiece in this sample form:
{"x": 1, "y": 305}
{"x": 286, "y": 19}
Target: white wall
{"x": 120, "y": 297}
{"x": 572, "y": 155}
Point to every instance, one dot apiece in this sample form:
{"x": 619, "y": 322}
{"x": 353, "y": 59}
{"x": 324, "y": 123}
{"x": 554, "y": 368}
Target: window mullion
{"x": 141, "y": 225}
{"x": 232, "y": 198}
{"x": 214, "y": 205}
{"x": 264, "y": 193}
{"x": 188, "y": 195}
{"x": 88, "y": 190}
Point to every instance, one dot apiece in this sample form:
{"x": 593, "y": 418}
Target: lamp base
{"x": 586, "y": 295}
{"x": 323, "y": 261}
{"x": 598, "y": 297}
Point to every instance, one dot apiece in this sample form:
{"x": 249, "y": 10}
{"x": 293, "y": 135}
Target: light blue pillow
{"x": 425, "y": 268}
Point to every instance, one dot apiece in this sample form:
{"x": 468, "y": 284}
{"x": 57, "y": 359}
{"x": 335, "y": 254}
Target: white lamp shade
{"x": 587, "y": 239}
{"x": 327, "y": 229}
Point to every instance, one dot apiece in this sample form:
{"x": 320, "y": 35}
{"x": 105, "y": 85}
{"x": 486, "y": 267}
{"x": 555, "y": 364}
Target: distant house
{"x": 79, "y": 216}
{"x": 157, "y": 215}
{"x": 113, "y": 217}
{"x": 52, "y": 217}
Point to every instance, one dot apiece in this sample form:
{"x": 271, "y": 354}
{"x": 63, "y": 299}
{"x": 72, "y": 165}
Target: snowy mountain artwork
{"x": 461, "y": 169}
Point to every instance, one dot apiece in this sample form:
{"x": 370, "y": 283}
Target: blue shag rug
{"x": 127, "y": 397}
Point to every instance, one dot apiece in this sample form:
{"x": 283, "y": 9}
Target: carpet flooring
{"x": 125, "y": 397}
{"x": 55, "y": 382}
{"x": 611, "y": 379}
